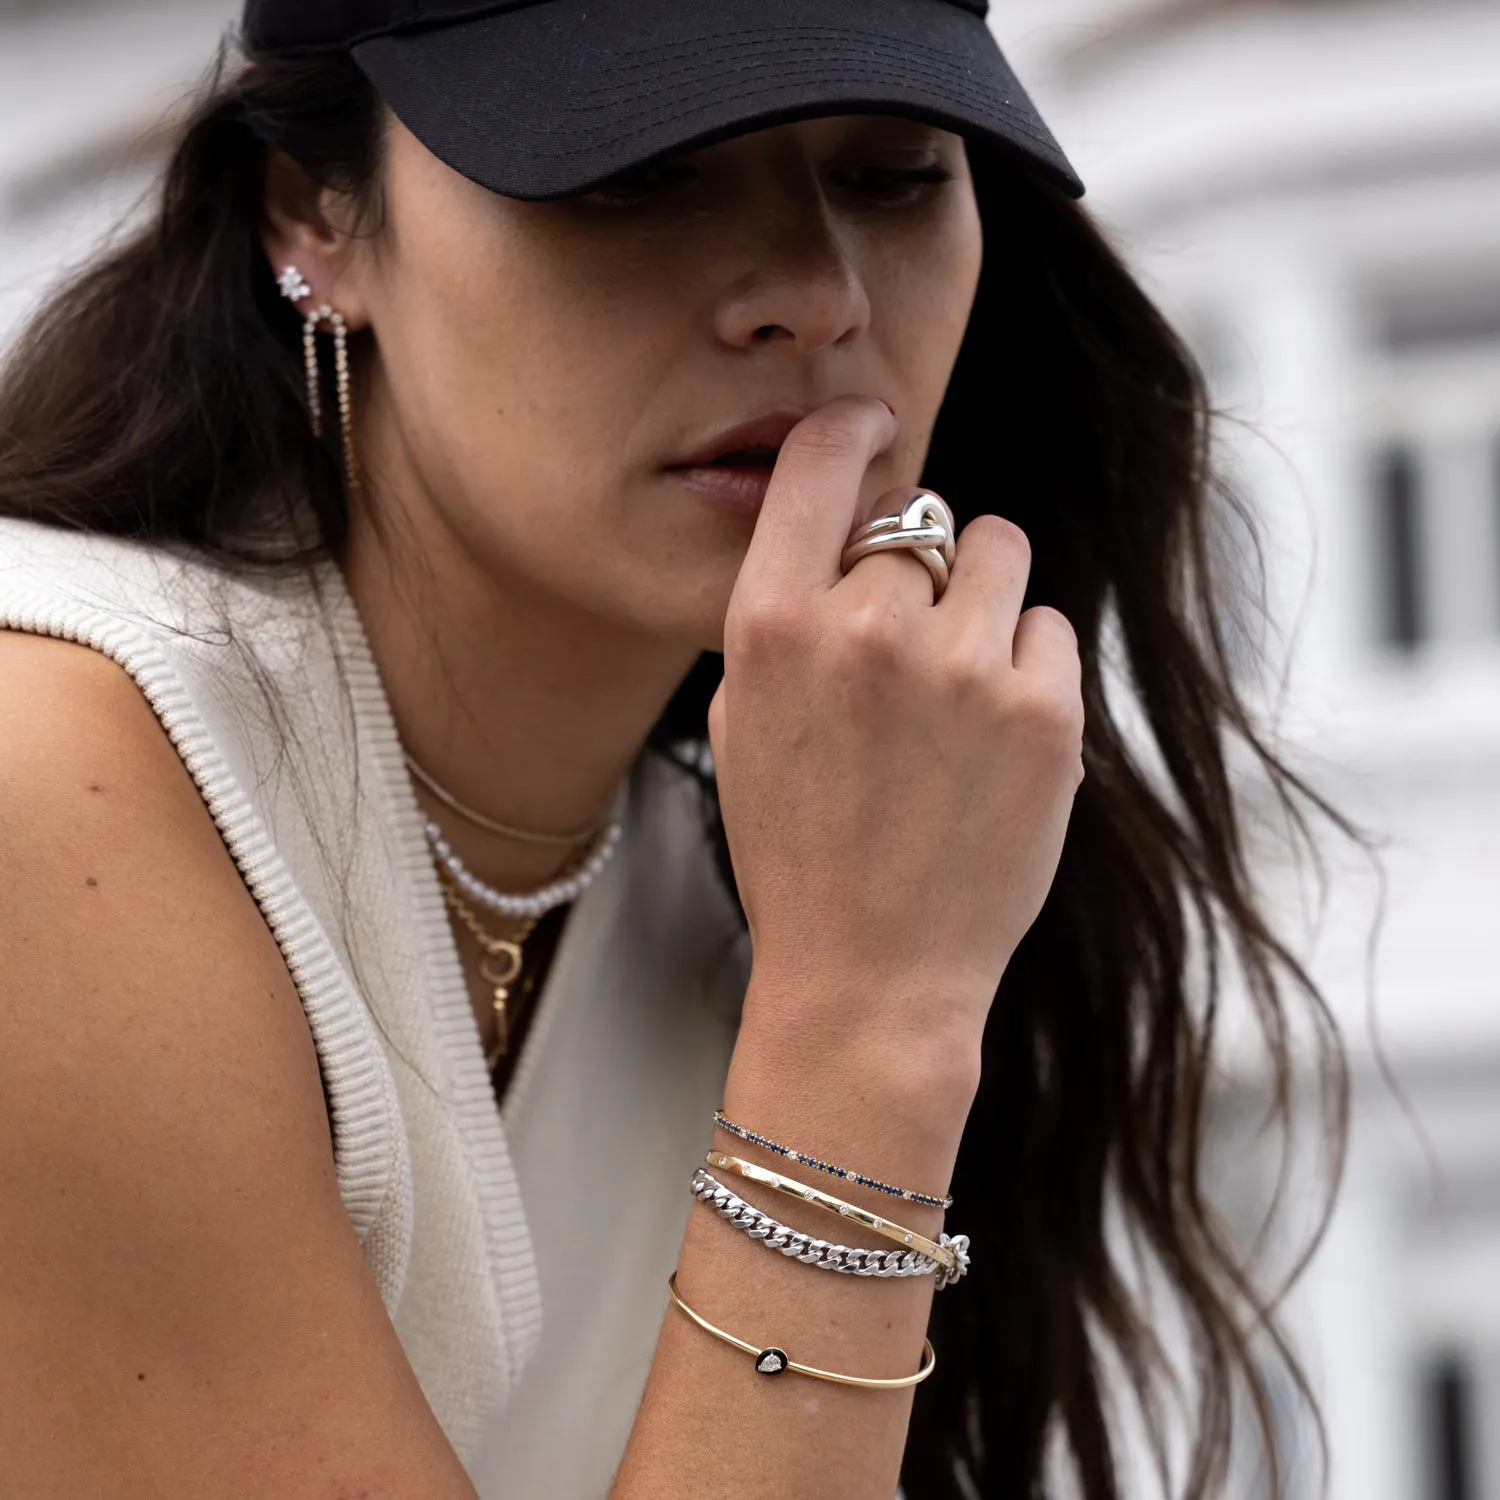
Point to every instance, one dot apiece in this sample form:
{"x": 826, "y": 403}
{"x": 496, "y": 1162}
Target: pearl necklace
{"x": 536, "y": 903}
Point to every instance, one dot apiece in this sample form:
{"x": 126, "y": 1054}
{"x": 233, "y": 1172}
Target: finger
{"x": 898, "y": 577}
{"x": 1046, "y": 646}
{"x": 808, "y": 512}
{"x": 989, "y": 577}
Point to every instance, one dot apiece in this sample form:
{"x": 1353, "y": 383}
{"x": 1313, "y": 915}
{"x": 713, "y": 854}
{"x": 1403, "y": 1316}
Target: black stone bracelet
{"x": 812, "y": 1161}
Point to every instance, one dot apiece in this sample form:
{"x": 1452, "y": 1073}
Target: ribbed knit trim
{"x": 471, "y": 1096}
{"x": 369, "y": 1154}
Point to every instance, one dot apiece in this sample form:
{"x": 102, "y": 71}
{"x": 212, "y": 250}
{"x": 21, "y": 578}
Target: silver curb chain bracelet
{"x": 820, "y": 1253}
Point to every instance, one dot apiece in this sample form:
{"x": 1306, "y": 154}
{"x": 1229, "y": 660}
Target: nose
{"x": 800, "y": 285}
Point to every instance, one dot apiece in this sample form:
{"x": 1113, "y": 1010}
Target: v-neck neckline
{"x": 484, "y": 1126}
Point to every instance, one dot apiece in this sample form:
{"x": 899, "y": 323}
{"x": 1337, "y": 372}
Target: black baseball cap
{"x": 543, "y": 98}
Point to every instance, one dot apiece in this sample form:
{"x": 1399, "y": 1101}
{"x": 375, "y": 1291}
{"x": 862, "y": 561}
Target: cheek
{"x": 933, "y": 294}
{"x": 921, "y": 312}
{"x": 505, "y": 359}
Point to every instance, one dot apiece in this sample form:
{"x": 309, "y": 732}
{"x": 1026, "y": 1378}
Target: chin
{"x": 694, "y": 617}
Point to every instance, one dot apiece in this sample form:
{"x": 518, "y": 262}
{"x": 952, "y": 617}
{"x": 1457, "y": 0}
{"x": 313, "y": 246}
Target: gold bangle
{"x": 774, "y": 1361}
{"x": 941, "y": 1253}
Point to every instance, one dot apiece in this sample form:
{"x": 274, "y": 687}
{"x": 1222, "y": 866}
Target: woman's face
{"x": 547, "y": 371}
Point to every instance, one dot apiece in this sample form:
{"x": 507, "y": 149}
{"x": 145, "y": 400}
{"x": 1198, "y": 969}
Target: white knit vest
{"x": 522, "y": 1257}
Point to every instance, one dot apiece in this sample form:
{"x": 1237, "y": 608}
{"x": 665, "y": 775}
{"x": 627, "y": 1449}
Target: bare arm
{"x": 184, "y": 1309}
{"x": 709, "y": 1425}
{"x": 896, "y": 781}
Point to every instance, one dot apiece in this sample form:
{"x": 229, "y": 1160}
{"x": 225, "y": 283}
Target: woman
{"x": 472, "y": 442}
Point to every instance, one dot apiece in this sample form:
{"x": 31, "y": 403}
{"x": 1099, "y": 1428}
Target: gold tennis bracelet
{"x": 774, "y": 1361}
{"x": 943, "y": 1253}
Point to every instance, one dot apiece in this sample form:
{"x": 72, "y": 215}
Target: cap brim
{"x": 555, "y": 98}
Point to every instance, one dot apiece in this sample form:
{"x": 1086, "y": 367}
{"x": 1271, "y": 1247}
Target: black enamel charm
{"x": 771, "y": 1361}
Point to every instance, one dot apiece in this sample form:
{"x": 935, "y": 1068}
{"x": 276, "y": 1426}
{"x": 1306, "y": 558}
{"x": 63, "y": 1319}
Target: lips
{"x": 752, "y": 445}
{"x": 732, "y": 470}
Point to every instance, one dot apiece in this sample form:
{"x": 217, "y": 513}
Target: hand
{"x": 896, "y": 777}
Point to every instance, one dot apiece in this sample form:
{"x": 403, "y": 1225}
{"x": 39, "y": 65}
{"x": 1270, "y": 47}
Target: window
{"x": 1442, "y": 316}
{"x": 1398, "y": 534}
{"x": 1429, "y": 418}
{"x": 1451, "y": 1433}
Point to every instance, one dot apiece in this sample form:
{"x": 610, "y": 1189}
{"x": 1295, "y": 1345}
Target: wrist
{"x": 889, "y": 1107}
{"x": 914, "y": 1037}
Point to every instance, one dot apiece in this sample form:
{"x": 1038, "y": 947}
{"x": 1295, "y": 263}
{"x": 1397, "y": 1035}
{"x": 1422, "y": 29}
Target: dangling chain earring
{"x": 294, "y": 288}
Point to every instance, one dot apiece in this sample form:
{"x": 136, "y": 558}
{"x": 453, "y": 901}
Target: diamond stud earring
{"x": 293, "y": 285}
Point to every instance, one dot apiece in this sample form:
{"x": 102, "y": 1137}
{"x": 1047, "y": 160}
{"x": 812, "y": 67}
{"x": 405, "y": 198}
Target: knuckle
{"x": 870, "y": 638}
{"x": 974, "y": 678}
{"x": 768, "y": 628}
{"x": 1053, "y": 712}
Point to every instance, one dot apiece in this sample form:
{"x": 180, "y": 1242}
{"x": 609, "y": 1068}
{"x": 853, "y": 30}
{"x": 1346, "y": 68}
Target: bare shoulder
{"x": 113, "y": 880}
{"x": 183, "y": 1306}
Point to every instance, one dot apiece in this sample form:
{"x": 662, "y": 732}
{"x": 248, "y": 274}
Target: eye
{"x": 643, "y": 183}
{"x": 893, "y": 187}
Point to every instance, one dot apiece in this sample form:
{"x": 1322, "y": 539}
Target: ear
{"x": 311, "y": 228}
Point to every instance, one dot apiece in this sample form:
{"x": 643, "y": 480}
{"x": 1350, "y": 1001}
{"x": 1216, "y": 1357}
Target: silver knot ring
{"x": 924, "y": 527}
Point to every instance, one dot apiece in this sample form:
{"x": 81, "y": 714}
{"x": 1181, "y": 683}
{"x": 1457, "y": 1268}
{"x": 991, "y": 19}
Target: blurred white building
{"x": 84, "y": 87}
{"x": 1313, "y": 190}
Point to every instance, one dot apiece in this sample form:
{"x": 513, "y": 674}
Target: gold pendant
{"x": 500, "y": 967}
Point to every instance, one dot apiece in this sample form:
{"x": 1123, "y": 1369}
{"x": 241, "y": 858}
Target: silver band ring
{"x": 924, "y": 527}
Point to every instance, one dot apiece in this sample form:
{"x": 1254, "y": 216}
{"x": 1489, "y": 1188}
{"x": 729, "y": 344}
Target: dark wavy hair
{"x": 159, "y": 396}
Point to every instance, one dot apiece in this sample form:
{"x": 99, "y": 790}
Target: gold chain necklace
{"x": 500, "y": 965}
{"x": 492, "y": 825}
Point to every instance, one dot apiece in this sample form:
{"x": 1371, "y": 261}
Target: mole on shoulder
{"x": 91, "y": 881}
{"x": 95, "y": 787}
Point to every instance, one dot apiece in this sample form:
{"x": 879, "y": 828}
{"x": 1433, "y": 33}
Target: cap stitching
{"x": 876, "y": 72}
{"x": 1002, "y": 111}
{"x": 904, "y": 66}
{"x": 789, "y": 30}
{"x": 915, "y": 75}
{"x": 909, "y": 55}
{"x": 638, "y": 121}
{"x": 901, "y": 64}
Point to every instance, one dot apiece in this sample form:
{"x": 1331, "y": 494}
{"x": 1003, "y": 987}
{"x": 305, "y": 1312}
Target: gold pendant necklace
{"x": 500, "y": 964}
